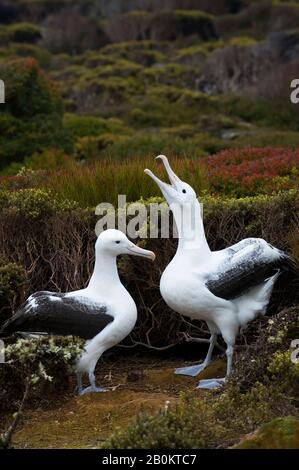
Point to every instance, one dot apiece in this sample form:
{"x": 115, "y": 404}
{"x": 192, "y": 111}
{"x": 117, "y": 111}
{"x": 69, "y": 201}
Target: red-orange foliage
{"x": 253, "y": 170}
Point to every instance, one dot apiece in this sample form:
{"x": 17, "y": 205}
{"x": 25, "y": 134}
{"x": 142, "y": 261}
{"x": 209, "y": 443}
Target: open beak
{"x": 137, "y": 251}
{"x": 173, "y": 179}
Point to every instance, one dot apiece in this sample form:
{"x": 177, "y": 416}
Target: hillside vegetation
{"x": 96, "y": 80}
{"x": 94, "y": 90}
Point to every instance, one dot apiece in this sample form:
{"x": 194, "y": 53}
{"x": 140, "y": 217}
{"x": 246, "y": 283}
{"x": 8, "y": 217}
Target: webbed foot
{"x": 92, "y": 389}
{"x": 192, "y": 371}
{"x": 211, "y": 384}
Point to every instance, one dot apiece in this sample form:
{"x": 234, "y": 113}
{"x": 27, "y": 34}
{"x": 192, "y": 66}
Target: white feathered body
{"x": 122, "y": 308}
{"x": 183, "y": 286}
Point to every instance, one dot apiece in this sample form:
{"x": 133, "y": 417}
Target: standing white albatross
{"x": 226, "y": 288}
{"x": 103, "y": 312}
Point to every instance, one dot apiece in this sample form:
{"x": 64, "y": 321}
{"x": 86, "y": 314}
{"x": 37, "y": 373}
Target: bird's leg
{"x": 211, "y": 384}
{"x": 229, "y": 355}
{"x": 196, "y": 369}
{"x": 79, "y": 387}
{"x": 92, "y": 387}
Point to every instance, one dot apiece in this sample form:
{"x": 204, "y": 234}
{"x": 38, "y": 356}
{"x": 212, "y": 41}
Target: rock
{"x": 135, "y": 375}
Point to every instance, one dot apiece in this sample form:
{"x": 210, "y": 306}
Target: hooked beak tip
{"x": 161, "y": 157}
{"x": 136, "y": 250}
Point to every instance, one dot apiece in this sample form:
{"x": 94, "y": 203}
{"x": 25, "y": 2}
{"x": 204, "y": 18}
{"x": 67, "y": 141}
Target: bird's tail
{"x": 8, "y": 327}
{"x": 255, "y": 301}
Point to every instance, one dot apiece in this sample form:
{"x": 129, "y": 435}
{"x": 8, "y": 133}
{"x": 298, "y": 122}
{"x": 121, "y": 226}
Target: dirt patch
{"x": 71, "y": 421}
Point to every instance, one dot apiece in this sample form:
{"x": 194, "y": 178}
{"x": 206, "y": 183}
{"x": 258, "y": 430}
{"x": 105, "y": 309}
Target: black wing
{"x": 247, "y": 265}
{"x": 58, "y": 314}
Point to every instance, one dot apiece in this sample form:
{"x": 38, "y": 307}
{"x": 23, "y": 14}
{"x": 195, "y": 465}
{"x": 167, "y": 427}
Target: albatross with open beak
{"x": 226, "y": 288}
{"x": 104, "y": 312}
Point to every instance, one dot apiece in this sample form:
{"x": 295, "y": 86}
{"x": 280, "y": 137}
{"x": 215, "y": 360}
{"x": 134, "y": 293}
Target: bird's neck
{"x": 192, "y": 242}
{"x": 105, "y": 274}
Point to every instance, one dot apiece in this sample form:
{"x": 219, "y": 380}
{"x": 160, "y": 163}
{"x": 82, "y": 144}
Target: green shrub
{"x": 171, "y": 74}
{"x": 242, "y": 41}
{"x": 167, "y": 106}
{"x": 267, "y": 138}
{"x": 264, "y": 113}
{"x": 46, "y": 362}
{"x": 32, "y": 118}
{"x": 87, "y": 126}
{"x": 217, "y": 420}
{"x": 186, "y": 426}
{"x": 33, "y": 203}
{"x": 45, "y": 131}
{"x": 145, "y": 53}
{"x": 108, "y": 96}
{"x": 12, "y": 282}
{"x": 143, "y": 145}
{"x": 24, "y": 32}
{"x": 195, "y": 22}
{"x": 121, "y": 68}
{"x": 23, "y": 50}
{"x": 49, "y": 159}
{"x": 29, "y": 92}
{"x": 194, "y": 55}
{"x": 92, "y": 147}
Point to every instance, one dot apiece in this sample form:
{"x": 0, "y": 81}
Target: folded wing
{"x": 245, "y": 265}
{"x": 58, "y": 314}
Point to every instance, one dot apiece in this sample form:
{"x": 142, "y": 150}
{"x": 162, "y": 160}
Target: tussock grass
{"x": 102, "y": 181}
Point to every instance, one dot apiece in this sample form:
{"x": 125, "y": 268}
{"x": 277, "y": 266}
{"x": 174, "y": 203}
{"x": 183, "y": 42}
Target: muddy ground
{"x": 71, "y": 421}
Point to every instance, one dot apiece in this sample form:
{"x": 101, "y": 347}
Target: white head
{"x": 177, "y": 192}
{"x": 115, "y": 242}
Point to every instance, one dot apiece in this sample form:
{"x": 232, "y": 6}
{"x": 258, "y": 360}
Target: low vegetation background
{"x": 94, "y": 90}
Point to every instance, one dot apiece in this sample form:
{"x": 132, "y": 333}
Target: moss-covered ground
{"x": 71, "y": 421}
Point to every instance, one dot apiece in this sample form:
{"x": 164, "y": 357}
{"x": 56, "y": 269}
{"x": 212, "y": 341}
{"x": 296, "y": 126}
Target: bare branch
{"x": 5, "y": 439}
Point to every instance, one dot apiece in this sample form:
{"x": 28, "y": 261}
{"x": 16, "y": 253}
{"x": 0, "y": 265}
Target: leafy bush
{"x": 46, "y": 362}
{"x": 49, "y": 159}
{"x": 15, "y": 51}
{"x": 189, "y": 425}
{"x": 24, "y": 32}
{"x": 47, "y": 133}
{"x": 85, "y": 126}
{"x": 218, "y": 420}
{"x": 143, "y": 146}
{"x": 108, "y": 95}
{"x": 268, "y": 359}
{"x": 195, "y": 22}
{"x": 145, "y": 52}
{"x": 33, "y": 203}
{"x": 12, "y": 283}
{"x": 91, "y": 148}
{"x": 171, "y": 74}
{"x": 33, "y": 108}
{"x": 29, "y": 92}
{"x": 167, "y": 106}
{"x": 263, "y": 112}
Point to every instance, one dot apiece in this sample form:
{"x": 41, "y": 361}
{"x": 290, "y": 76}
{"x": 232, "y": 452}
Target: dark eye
{"x": 184, "y": 191}
{"x": 118, "y": 241}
